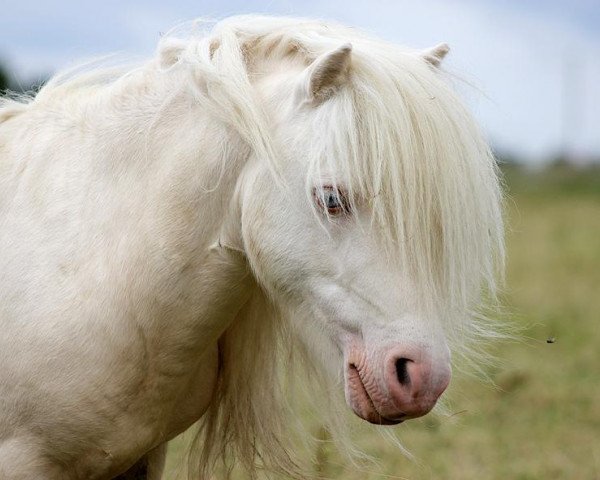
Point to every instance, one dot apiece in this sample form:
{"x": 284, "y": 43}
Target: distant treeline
{"x": 560, "y": 159}
{"x": 10, "y": 83}
{"x": 5, "y": 83}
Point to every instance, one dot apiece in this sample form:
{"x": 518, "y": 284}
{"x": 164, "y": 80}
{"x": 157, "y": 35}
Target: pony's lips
{"x": 361, "y": 402}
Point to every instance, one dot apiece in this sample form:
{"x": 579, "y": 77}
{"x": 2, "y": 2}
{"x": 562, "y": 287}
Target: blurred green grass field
{"x": 542, "y": 419}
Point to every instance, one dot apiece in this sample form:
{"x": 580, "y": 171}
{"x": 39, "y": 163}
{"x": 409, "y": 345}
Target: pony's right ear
{"x": 325, "y": 75}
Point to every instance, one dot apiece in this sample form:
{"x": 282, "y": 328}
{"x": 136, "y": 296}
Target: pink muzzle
{"x": 393, "y": 385}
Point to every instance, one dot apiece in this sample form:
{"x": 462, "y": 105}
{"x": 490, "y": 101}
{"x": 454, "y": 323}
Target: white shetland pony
{"x": 168, "y": 232}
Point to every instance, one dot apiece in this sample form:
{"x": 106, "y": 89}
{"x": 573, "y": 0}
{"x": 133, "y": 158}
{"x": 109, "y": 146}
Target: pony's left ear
{"x": 169, "y": 52}
{"x": 435, "y": 55}
{"x": 327, "y": 73}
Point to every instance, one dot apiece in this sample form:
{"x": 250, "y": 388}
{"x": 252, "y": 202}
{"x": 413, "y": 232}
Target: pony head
{"x": 379, "y": 226}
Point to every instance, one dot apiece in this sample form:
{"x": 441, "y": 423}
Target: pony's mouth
{"x": 362, "y": 403}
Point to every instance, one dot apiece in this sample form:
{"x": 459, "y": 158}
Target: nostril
{"x": 402, "y": 371}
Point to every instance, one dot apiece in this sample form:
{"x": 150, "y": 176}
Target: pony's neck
{"x": 193, "y": 163}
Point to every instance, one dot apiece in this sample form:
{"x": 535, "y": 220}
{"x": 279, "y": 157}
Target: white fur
{"x": 149, "y": 213}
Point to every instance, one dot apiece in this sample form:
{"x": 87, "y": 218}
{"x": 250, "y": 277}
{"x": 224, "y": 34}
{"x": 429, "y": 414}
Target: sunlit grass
{"x": 542, "y": 420}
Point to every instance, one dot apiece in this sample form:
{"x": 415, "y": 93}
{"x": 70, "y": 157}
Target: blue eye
{"x": 332, "y": 199}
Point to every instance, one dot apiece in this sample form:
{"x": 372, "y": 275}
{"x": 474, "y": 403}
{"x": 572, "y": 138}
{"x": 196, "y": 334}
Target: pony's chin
{"x": 360, "y": 401}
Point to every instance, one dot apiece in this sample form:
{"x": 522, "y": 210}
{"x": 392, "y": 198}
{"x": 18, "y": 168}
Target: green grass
{"x": 542, "y": 420}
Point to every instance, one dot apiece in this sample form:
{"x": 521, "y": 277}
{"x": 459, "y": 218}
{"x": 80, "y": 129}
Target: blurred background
{"x": 531, "y": 72}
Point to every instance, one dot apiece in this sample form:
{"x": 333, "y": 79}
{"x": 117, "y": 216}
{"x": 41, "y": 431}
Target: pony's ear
{"x": 435, "y": 55}
{"x": 326, "y": 74}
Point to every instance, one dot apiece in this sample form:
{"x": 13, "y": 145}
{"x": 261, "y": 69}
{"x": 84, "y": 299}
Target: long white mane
{"x": 401, "y": 137}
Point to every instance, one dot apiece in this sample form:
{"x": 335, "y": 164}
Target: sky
{"x": 531, "y": 68}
